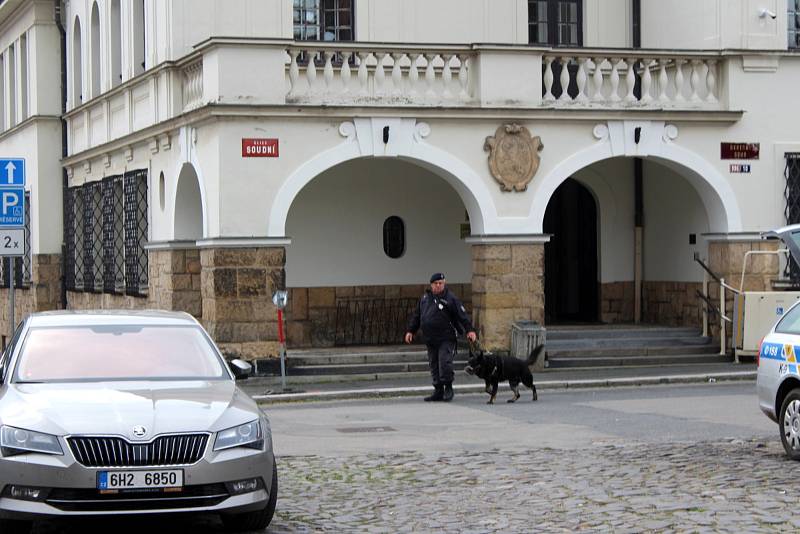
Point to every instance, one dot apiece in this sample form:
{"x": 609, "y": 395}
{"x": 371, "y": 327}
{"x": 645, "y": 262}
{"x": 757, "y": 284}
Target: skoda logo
{"x": 139, "y": 431}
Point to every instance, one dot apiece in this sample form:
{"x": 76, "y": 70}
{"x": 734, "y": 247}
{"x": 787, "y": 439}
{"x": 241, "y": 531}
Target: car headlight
{"x": 246, "y": 435}
{"x": 19, "y": 441}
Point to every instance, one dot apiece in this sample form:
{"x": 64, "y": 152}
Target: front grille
{"x": 118, "y": 452}
{"x": 90, "y": 500}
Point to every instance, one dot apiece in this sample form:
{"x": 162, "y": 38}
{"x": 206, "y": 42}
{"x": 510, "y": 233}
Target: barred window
{"x": 793, "y": 20}
{"x": 791, "y": 195}
{"x": 22, "y": 265}
{"x": 106, "y": 230}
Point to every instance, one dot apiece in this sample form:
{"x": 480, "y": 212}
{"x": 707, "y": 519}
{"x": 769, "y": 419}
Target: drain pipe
{"x": 638, "y": 229}
{"x": 64, "y": 179}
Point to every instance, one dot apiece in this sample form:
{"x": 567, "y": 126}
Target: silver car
{"x": 778, "y": 379}
{"x": 129, "y": 412}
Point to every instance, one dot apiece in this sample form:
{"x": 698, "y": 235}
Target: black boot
{"x": 448, "y": 392}
{"x": 438, "y": 392}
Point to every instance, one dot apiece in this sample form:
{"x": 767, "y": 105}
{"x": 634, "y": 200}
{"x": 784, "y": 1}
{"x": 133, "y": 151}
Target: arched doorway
{"x": 571, "y": 278}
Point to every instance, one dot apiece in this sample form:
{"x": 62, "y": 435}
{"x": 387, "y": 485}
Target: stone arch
{"x": 714, "y": 190}
{"x": 189, "y": 222}
{"x": 472, "y": 190}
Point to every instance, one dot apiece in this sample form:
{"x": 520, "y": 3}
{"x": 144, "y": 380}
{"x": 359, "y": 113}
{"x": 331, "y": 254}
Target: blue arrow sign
{"x": 12, "y": 172}
{"x": 12, "y": 206}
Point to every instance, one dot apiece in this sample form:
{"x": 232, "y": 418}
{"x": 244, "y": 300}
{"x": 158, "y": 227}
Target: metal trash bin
{"x": 525, "y": 335}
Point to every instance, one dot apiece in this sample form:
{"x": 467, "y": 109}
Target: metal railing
{"x": 370, "y": 321}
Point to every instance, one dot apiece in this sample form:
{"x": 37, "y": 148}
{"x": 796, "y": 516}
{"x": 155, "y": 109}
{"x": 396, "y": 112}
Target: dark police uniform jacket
{"x": 442, "y": 317}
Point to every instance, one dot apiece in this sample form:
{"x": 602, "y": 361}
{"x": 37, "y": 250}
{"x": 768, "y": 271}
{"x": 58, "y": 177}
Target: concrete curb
{"x": 366, "y": 393}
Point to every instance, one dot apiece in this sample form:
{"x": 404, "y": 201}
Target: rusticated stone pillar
{"x": 507, "y": 286}
{"x": 175, "y": 280}
{"x": 237, "y": 286}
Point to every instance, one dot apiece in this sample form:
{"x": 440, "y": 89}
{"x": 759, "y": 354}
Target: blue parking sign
{"x": 12, "y": 206}
{"x": 12, "y": 172}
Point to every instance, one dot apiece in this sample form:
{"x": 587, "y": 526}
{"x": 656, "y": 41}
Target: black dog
{"x": 495, "y": 369}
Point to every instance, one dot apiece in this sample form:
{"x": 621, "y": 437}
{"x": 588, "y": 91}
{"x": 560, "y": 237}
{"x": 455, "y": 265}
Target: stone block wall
{"x": 311, "y": 312}
{"x": 237, "y": 286}
{"x": 616, "y": 302}
{"x": 507, "y": 286}
{"x": 43, "y": 294}
{"x": 175, "y": 281}
{"x": 672, "y": 303}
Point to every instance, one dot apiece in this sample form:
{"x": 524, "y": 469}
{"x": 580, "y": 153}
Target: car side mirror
{"x": 241, "y": 369}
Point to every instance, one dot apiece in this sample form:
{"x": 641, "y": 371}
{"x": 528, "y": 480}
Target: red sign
{"x": 739, "y": 150}
{"x": 259, "y": 148}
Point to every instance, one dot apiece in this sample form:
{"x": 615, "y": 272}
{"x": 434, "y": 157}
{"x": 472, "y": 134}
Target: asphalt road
{"x": 656, "y": 459}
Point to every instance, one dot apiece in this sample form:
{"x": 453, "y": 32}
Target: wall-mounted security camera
{"x": 767, "y": 13}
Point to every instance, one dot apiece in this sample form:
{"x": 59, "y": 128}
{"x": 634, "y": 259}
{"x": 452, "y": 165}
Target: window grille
{"x": 92, "y": 237}
{"x": 323, "y": 20}
{"x": 113, "y": 236}
{"x": 105, "y": 233}
{"x": 22, "y": 265}
{"x": 793, "y": 23}
{"x": 135, "y": 206}
{"x": 792, "y": 209}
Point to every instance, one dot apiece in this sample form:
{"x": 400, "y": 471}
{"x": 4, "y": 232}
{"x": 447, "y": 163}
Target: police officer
{"x": 441, "y": 316}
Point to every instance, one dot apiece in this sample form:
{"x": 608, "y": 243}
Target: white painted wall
{"x": 607, "y": 23}
{"x": 672, "y": 211}
{"x": 336, "y": 226}
{"x": 713, "y": 24}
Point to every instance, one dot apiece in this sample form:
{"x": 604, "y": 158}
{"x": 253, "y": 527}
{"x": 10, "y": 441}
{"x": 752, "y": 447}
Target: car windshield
{"x": 117, "y": 352}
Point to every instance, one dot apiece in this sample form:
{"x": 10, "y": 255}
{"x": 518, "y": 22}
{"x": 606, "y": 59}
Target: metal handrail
{"x": 747, "y": 255}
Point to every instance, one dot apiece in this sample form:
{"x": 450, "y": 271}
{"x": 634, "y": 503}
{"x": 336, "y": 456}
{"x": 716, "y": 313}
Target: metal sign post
{"x": 280, "y": 299}
{"x": 12, "y": 222}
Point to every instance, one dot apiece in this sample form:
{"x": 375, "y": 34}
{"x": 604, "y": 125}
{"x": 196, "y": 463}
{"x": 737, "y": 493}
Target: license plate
{"x": 169, "y": 478}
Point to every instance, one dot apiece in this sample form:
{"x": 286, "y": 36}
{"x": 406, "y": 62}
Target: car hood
{"x": 116, "y": 407}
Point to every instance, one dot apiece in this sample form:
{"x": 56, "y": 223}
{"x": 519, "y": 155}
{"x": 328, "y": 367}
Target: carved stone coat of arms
{"x": 513, "y": 156}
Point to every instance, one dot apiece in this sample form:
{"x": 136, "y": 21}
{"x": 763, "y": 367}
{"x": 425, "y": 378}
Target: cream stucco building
{"x": 215, "y": 151}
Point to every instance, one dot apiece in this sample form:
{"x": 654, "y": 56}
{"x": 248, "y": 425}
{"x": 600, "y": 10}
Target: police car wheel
{"x": 789, "y": 422}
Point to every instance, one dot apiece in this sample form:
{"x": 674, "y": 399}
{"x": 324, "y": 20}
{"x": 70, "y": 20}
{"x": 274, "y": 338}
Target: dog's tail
{"x": 534, "y": 356}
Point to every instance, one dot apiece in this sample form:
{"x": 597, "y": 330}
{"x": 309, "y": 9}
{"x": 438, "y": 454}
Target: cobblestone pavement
{"x": 736, "y": 486}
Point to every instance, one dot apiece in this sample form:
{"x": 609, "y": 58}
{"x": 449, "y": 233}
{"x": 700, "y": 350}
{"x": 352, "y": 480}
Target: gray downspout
{"x": 64, "y": 180}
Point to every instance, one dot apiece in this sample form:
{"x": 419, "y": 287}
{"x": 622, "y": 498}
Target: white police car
{"x": 778, "y": 381}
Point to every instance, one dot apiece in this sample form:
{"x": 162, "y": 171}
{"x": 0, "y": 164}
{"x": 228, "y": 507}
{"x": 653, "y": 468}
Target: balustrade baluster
{"x": 447, "y": 76}
{"x": 463, "y": 77}
{"x": 548, "y": 79}
{"x": 711, "y": 81}
{"x": 294, "y": 71}
{"x": 630, "y": 80}
{"x": 413, "y": 74}
{"x": 679, "y": 80}
{"x": 327, "y": 71}
{"x": 363, "y": 73}
{"x": 663, "y": 79}
{"x": 397, "y": 74}
{"x": 597, "y": 79}
{"x": 614, "y": 95}
{"x": 344, "y": 72}
{"x": 564, "y": 79}
{"x": 380, "y": 75}
{"x": 430, "y": 76}
{"x": 311, "y": 71}
{"x": 694, "y": 80}
{"x": 580, "y": 80}
{"x": 647, "y": 81}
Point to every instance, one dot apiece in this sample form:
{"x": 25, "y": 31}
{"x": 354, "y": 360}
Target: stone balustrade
{"x": 643, "y": 80}
{"x": 235, "y": 71}
{"x": 346, "y": 75}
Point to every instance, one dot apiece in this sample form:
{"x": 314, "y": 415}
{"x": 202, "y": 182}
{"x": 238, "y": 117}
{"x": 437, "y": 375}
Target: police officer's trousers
{"x": 440, "y": 360}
